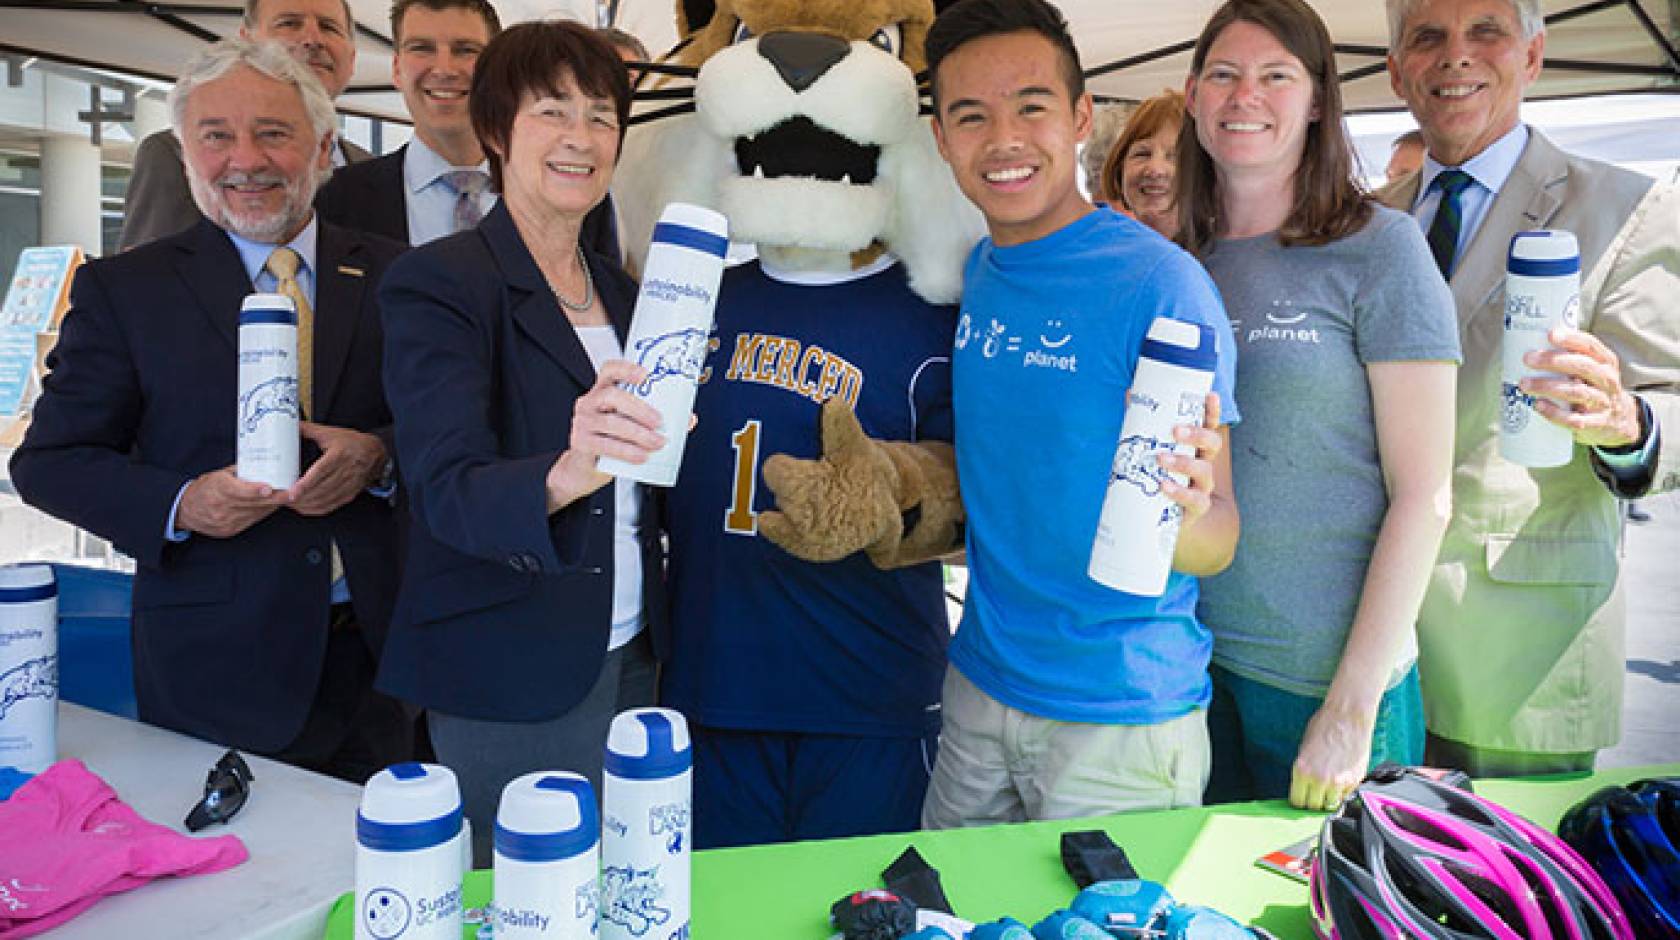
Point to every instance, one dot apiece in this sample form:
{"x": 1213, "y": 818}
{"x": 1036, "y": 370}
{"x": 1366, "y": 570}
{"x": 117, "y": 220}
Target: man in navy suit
{"x": 437, "y": 183}
{"x": 245, "y": 632}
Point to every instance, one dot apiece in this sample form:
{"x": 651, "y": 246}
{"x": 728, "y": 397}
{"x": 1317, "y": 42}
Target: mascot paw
{"x": 856, "y": 495}
{"x": 842, "y": 502}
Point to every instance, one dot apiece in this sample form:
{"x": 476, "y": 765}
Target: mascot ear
{"x": 693, "y": 15}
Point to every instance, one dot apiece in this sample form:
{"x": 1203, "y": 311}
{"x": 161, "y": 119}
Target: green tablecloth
{"x": 1203, "y": 855}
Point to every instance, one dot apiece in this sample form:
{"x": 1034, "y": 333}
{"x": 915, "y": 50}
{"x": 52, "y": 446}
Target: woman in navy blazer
{"x": 532, "y": 579}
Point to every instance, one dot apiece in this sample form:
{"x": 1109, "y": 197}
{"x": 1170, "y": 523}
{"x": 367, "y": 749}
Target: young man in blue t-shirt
{"x": 1064, "y": 698}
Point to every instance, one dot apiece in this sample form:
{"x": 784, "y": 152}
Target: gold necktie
{"x": 283, "y": 264}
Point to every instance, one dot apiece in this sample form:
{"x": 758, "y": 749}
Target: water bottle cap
{"x": 547, "y": 816}
{"x": 409, "y": 806}
{"x": 267, "y": 308}
{"x": 692, "y": 226}
{"x": 1544, "y": 253}
{"x": 648, "y": 744}
{"x": 25, "y": 583}
{"x": 1181, "y": 343}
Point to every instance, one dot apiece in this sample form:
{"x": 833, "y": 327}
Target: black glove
{"x": 873, "y": 915}
{"x": 913, "y": 879}
{"x": 1091, "y": 856}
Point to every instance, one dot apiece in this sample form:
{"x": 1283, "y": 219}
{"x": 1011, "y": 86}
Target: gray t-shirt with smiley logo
{"x": 1307, "y": 321}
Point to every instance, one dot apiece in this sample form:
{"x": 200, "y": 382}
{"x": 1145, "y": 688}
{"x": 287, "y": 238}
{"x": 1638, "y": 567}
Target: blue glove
{"x": 1190, "y": 922}
{"x": 1006, "y": 928}
{"x": 1127, "y": 905}
{"x": 1066, "y": 925}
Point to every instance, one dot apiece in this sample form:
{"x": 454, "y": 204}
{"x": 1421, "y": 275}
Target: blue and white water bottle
{"x": 267, "y": 440}
{"x": 410, "y": 855}
{"x": 548, "y": 858}
{"x": 647, "y": 786}
{"x": 1138, "y": 529}
{"x": 671, "y": 328}
{"x": 28, "y": 667}
{"x": 1542, "y": 291}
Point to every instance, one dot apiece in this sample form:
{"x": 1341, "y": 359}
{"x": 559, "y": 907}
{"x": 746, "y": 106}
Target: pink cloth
{"x": 66, "y": 841}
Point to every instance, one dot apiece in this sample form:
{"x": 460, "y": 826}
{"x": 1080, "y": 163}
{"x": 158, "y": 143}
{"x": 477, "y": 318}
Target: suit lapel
{"x": 398, "y": 186}
{"x": 340, "y": 284}
{"x": 1528, "y": 200}
{"x": 534, "y": 309}
{"x": 210, "y": 266}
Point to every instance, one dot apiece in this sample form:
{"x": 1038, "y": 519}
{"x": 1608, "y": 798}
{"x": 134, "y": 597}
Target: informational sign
{"x": 35, "y": 301}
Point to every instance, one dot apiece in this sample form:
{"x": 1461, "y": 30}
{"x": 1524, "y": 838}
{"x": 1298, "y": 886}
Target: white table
{"x": 298, "y": 826}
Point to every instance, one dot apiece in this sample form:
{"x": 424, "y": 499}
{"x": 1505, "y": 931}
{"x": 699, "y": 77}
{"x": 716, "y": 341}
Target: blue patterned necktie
{"x": 1449, "y": 219}
{"x": 466, "y": 184}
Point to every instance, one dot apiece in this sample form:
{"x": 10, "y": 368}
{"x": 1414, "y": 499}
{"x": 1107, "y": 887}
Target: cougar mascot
{"x": 809, "y": 626}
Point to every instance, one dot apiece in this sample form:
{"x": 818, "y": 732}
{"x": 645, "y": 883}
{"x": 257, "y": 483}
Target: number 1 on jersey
{"x": 740, "y": 519}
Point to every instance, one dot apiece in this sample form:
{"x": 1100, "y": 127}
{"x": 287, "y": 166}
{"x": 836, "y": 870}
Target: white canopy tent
{"x": 1593, "y": 46}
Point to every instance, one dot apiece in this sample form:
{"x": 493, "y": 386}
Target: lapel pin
{"x": 346, "y": 269}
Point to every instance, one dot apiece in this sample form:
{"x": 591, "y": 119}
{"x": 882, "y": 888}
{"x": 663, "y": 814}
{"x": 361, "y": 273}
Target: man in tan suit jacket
{"x": 318, "y": 33}
{"x": 1522, "y": 634}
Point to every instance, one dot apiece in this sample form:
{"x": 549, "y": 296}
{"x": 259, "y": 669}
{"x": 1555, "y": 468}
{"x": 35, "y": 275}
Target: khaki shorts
{"x": 999, "y": 764}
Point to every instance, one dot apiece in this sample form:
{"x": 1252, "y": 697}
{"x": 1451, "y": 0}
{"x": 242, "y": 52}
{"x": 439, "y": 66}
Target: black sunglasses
{"x": 226, "y": 789}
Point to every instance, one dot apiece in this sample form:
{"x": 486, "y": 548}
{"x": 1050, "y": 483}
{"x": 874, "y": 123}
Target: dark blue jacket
{"x": 504, "y": 610}
{"x": 229, "y": 634}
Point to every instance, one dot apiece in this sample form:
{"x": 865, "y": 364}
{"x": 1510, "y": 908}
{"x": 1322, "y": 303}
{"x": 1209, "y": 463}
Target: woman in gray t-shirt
{"x": 1347, "y": 346}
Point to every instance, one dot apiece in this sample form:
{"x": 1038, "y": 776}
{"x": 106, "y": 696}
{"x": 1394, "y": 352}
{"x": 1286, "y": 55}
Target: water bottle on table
{"x": 647, "y": 795}
{"x": 28, "y": 667}
{"x": 548, "y": 857}
{"x": 410, "y": 855}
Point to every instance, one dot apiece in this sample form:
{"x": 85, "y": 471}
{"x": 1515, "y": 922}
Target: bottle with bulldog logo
{"x": 1542, "y": 291}
{"x": 267, "y": 440}
{"x": 548, "y": 858}
{"x": 670, "y": 329}
{"x": 646, "y": 799}
{"x": 1138, "y": 529}
{"x": 28, "y": 667}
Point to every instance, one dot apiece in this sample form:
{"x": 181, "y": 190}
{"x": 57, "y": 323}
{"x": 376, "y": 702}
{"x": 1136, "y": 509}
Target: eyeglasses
{"x": 226, "y": 789}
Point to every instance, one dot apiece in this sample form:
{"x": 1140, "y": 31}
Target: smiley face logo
{"x": 386, "y": 913}
{"x": 1054, "y": 328}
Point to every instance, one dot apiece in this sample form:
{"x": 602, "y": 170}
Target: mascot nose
{"x": 802, "y": 58}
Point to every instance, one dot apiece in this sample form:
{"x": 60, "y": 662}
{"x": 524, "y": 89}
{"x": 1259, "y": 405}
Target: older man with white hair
{"x": 318, "y": 33}
{"x": 1522, "y": 633}
{"x": 257, "y": 612}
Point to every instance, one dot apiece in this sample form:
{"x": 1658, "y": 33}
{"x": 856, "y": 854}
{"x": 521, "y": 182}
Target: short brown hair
{"x": 530, "y": 59}
{"x": 1162, "y": 111}
{"x": 485, "y": 12}
{"x": 1329, "y": 202}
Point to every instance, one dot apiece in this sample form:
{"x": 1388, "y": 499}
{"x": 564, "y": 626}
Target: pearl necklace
{"x": 588, "y": 288}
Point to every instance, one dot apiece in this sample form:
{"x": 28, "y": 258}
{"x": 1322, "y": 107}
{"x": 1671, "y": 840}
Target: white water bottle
{"x": 28, "y": 667}
{"x": 268, "y": 391}
{"x": 1542, "y": 291}
{"x": 1138, "y": 529}
{"x": 671, "y": 327}
{"x": 548, "y": 858}
{"x": 409, "y": 855}
{"x": 647, "y": 794}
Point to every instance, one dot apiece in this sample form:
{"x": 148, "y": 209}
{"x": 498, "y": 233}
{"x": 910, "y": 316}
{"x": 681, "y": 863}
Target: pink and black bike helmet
{"x": 1408, "y": 857}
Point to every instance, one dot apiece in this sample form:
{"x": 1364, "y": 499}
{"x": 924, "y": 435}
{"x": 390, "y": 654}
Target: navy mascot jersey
{"x": 761, "y": 640}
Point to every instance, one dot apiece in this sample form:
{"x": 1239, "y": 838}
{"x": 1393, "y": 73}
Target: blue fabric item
{"x": 1004, "y": 928}
{"x": 752, "y": 788}
{"x": 1203, "y": 923}
{"x": 1255, "y": 731}
{"x": 1066, "y": 925}
{"x": 1045, "y": 351}
{"x": 1124, "y": 904}
{"x": 11, "y": 779}
{"x": 760, "y": 639}
{"x": 95, "y": 654}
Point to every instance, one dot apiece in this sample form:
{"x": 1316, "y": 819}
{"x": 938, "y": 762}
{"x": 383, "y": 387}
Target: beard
{"x": 257, "y": 225}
